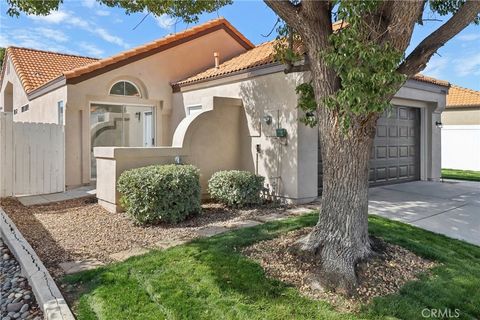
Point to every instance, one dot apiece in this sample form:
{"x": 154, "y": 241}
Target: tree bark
{"x": 340, "y": 238}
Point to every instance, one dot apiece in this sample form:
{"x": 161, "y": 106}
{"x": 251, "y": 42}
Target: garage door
{"x": 395, "y": 156}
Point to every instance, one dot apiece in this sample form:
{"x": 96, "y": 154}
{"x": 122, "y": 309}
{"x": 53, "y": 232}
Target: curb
{"x": 48, "y": 296}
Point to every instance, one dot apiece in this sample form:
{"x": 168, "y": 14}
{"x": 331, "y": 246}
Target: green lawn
{"x": 461, "y": 174}
{"x": 210, "y": 279}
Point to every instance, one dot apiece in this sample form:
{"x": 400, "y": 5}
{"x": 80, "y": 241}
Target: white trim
{"x": 123, "y": 95}
{"x": 423, "y": 144}
{"x": 196, "y": 107}
{"x": 121, "y": 103}
{"x": 233, "y": 77}
{"x": 461, "y": 126}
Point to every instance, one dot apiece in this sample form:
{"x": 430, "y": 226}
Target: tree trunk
{"x": 340, "y": 238}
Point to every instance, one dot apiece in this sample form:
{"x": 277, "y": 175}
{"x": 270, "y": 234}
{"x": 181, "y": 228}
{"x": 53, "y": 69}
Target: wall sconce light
{"x": 138, "y": 114}
{"x": 267, "y": 119}
{"x": 178, "y": 160}
{"x": 439, "y": 124}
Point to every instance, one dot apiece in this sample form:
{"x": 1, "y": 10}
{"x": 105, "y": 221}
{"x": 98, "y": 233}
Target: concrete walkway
{"x": 60, "y": 196}
{"x": 451, "y": 208}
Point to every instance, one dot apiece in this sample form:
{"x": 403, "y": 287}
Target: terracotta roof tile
{"x": 424, "y": 78}
{"x": 160, "y": 43}
{"x": 462, "y": 97}
{"x": 264, "y": 54}
{"x": 36, "y": 67}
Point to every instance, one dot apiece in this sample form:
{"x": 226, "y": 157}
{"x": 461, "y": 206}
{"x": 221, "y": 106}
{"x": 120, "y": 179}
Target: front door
{"x": 148, "y": 140}
{"x": 114, "y": 125}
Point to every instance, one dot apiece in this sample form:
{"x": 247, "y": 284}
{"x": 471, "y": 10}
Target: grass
{"x": 210, "y": 279}
{"x": 461, "y": 174}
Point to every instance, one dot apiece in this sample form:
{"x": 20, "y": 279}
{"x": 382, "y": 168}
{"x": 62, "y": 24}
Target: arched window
{"x": 125, "y": 88}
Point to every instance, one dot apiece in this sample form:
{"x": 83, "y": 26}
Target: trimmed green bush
{"x": 236, "y": 188}
{"x": 166, "y": 193}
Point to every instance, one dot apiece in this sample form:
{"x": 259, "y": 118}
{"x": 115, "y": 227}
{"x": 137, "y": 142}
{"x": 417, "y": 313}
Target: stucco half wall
{"x": 231, "y": 132}
{"x": 210, "y": 140}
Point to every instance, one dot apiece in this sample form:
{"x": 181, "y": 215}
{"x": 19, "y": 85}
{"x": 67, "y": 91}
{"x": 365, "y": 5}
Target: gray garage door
{"x": 395, "y": 156}
{"x": 396, "y": 151}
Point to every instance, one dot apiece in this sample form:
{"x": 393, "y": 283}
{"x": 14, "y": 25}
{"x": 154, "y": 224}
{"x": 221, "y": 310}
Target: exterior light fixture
{"x": 267, "y": 119}
{"x": 439, "y": 124}
{"x": 178, "y": 160}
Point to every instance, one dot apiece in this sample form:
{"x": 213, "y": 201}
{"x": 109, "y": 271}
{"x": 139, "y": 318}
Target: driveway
{"x": 451, "y": 208}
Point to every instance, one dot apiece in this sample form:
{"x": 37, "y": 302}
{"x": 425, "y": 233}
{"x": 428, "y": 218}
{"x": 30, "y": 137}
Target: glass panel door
{"x": 138, "y": 126}
{"x": 120, "y": 126}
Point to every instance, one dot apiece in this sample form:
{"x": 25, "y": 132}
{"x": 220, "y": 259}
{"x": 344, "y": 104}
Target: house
{"x": 123, "y": 100}
{"x": 461, "y": 130}
{"x": 209, "y": 97}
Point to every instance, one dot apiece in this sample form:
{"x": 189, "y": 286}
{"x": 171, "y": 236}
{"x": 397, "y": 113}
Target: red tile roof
{"x": 37, "y": 67}
{"x": 459, "y": 97}
{"x": 261, "y": 55}
{"x": 424, "y": 78}
{"x": 160, "y": 44}
{"x": 264, "y": 54}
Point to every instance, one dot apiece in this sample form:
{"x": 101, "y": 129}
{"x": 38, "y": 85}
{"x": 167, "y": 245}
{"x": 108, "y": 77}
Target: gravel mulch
{"x": 379, "y": 276}
{"x": 16, "y": 300}
{"x": 81, "y": 229}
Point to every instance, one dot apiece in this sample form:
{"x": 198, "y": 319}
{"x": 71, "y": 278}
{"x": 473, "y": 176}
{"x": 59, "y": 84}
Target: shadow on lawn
{"x": 209, "y": 278}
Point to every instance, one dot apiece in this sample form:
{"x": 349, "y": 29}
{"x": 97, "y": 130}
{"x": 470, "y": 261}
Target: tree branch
{"x": 401, "y": 17}
{"x": 418, "y": 59}
{"x": 287, "y": 11}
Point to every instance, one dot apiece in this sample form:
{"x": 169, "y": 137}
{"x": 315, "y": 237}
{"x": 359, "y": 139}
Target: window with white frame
{"x": 125, "y": 88}
{"x": 60, "y": 112}
{"x": 191, "y": 110}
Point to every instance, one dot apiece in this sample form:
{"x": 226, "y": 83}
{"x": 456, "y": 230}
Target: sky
{"x": 84, "y": 27}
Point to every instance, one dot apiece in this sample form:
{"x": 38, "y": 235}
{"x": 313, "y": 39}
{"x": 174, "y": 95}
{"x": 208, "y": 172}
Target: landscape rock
{"x": 16, "y": 299}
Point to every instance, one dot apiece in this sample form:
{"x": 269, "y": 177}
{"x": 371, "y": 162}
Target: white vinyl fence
{"x": 32, "y": 157}
{"x": 461, "y": 147}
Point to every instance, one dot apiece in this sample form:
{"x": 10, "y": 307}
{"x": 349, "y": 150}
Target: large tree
{"x": 354, "y": 74}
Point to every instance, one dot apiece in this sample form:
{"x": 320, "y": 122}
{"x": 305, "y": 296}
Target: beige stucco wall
{"x": 209, "y": 140}
{"x": 44, "y": 109}
{"x": 461, "y": 116}
{"x": 153, "y": 75}
{"x": 288, "y": 164}
{"x": 212, "y": 139}
{"x": 19, "y": 95}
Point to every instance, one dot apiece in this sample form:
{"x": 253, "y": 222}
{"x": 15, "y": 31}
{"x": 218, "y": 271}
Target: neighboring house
{"x": 207, "y": 96}
{"x": 461, "y": 129}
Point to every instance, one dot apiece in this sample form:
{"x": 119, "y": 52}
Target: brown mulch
{"x": 81, "y": 229}
{"x": 381, "y": 275}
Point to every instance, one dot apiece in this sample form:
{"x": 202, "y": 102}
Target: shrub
{"x": 167, "y": 193}
{"x": 236, "y": 188}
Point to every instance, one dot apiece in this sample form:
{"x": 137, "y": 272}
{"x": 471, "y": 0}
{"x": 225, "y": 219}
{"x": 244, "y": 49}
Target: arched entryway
{"x": 8, "y": 98}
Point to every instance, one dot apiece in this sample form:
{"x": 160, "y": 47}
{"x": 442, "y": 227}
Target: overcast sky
{"x": 86, "y": 28}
